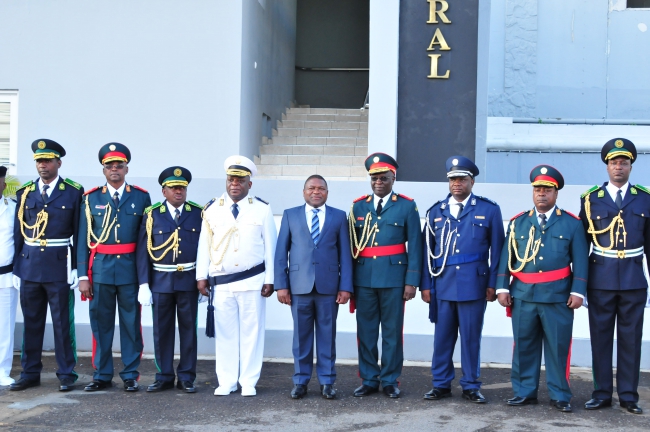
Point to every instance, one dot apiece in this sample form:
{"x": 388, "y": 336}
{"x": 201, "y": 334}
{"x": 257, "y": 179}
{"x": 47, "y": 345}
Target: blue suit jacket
{"x": 48, "y": 264}
{"x": 614, "y": 273}
{"x": 299, "y": 264}
{"x": 189, "y": 228}
{"x": 479, "y": 238}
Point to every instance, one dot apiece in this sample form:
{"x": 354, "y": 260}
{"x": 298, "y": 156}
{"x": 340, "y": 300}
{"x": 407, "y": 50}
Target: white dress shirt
{"x": 112, "y": 190}
{"x": 309, "y": 213}
{"x": 252, "y": 242}
{"x": 613, "y": 190}
{"x": 172, "y": 210}
{"x": 454, "y": 205}
{"x": 49, "y": 189}
{"x": 7, "y": 211}
{"x": 375, "y": 200}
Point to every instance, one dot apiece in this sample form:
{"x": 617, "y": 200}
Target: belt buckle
{"x": 43, "y": 243}
{"x": 620, "y": 254}
{"x": 179, "y": 268}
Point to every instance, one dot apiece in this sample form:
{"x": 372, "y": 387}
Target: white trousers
{"x": 240, "y": 318}
{"x": 8, "y": 302}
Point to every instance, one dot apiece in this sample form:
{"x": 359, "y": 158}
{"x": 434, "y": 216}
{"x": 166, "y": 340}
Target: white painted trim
{"x": 504, "y": 135}
{"x": 11, "y": 96}
{"x": 384, "y": 69}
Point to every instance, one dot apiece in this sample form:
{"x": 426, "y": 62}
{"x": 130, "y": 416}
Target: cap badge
{"x": 454, "y": 162}
{"x": 543, "y": 170}
{"x": 112, "y": 147}
{"x": 375, "y": 159}
{"x": 178, "y": 172}
{"x": 41, "y": 145}
{"x": 618, "y": 143}
{"x": 238, "y": 161}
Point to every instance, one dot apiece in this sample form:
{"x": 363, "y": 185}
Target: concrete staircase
{"x": 327, "y": 141}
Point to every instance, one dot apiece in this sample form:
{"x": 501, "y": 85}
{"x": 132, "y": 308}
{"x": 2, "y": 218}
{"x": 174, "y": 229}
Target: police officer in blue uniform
{"x": 385, "y": 273}
{"x": 108, "y": 231}
{"x": 546, "y": 255}
{"x": 166, "y": 259}
{"x": 460, "y": 234}
{"x": 47, "y": 218}
{"x": 616, "y": 217}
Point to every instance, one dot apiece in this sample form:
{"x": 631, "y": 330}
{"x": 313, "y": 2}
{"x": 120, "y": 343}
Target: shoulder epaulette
{"x": 152, "y": 207}
{"x": 590, "y": 190}
{"x": 89, "y": 191}
{"x": 192, "y": 203}
{"x": 405, "y": 197}
{"x": 516, "y": 216}
{"x": 434, "y": 204}
{"x": 261, "y": 200}
{"x": 361, "y": 198}
{"x": 29, "y": 183}
{"x": 571, "y": 214}
{"x": 643, "y": 188}
{"x": 205, "y": 207}
{"x": 486, "y": 199}
{"x": 73, "y": 183}
{"x": 140, "y": 189}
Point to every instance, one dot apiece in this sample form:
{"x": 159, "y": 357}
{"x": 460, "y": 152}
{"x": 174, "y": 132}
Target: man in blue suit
{"x": 615, "y": 218}
{"x": 461, "y": 233}
{"x": 314, "y": 276}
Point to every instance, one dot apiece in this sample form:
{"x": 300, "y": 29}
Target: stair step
{"x": 341, "y": 133}
{"x": 271, "y": 159}
{"x": 307, "y": 170}
{"x": 306, "y": 150}
{"x": 325, "y": 117}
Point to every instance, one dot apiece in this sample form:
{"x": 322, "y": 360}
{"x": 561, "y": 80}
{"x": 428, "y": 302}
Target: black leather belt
{"x": 7, "y": 269}
{"x": 236, "y": 277}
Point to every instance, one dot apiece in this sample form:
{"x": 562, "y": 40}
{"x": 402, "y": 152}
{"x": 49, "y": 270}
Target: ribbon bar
{"x": 371, "y": 252}
{"x": 544, "y": 277}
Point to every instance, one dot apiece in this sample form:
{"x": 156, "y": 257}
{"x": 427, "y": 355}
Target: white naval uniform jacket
{"x": 252, "y": 243}
{"x": 7, "y": 213}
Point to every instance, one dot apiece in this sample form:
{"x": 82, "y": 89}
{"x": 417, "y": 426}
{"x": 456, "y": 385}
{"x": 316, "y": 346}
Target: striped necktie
{"x": 315, "y": 227}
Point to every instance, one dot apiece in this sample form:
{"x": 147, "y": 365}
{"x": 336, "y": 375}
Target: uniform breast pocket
{"x": 639, "y": 219}
{"x": 560, "y": 243}
{"x": 480, "y": 229}
{"x": 161, "y": 234}
{"x": 599, "y": 217}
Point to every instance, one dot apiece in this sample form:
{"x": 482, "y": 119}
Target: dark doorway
{"x": 332, "y": 44}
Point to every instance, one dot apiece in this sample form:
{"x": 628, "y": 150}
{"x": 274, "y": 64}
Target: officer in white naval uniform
{"x": 235, "y": 261}
{"x": 8, "y": 294}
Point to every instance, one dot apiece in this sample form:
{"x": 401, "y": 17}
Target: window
{"x": 9, "y": 129}
{"x": 636, "y": 4}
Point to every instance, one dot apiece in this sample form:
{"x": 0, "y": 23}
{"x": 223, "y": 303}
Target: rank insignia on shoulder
{"x": 72, "y": 183}
{"x": 479, "y": 217}
{"x": 485, "y": 199}
{"x": 128, "y": 188}
{"x": 558, "y": 212}
{"x": 187, "y": 207}
{"x": 221, "y": 201}
{"x": 443, "y": 206}
{"x": 61, "y": 186}
{"x": 473, "y": 201}
{"x": 29, "y": 183}
{"x": 369, "y": 198}
{"x": 139, "y": 188}
{"x": 394, "y": 198}
{"x": 360, "y": 198}
{"x": 405, "y": 197}
{"x": 261, "y": 200}
{"x": 209, "y": 203}
{"x": 601, "y": 193}
{"x": 569, "y": 213}
{"x": 633, "y": 191}
{"x": 163, "y": 209}
{"x": 91, "y": 190}
{"x": 148, "y": 209}
{"x": 516, "y": 216}
{"x": 532, "y": 212}
{"x": 590, "y": 190}
{"x": 192, "y": 203}
{"x": 642, "y": 188}
{"x": 250, "y": 200}
{"x": 103, "y": 189}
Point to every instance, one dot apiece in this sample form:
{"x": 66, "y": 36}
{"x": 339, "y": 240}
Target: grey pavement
{"x": 45, "y": 409}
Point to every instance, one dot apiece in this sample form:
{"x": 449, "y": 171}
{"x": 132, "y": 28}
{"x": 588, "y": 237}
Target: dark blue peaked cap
{"x": 460, "y": 166}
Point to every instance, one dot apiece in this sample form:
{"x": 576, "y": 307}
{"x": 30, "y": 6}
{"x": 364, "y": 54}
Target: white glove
{"x": 73, "y": 279}
{"x": 16, "y": 282}
{"x": 144, "y": 295}
{"x": 202, "y": 298}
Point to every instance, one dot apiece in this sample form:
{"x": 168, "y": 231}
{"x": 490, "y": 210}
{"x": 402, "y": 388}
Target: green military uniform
{"x": 538, "y": 254}
{"x": 382, "y": 267}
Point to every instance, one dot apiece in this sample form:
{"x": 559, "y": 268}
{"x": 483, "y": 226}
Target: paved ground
{"x": 44, "y": 408}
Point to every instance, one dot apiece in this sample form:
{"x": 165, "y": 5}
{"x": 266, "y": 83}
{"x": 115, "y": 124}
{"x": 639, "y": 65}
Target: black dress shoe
{"x": 364, "y": 390}
{"x": 563, "y": 406}
{"x": 474, "y": 395}
{"x": 131, "y": 385}
{"x": 66, "y": 385}
{"x": 594, "y": 404}
{"x": 186, "y": 386}
{"x": 327, "y": 391}
{"x": 437, "y": 394}
{"x": 98, "y": 385}
{"x": 521, "y": 401}
{"x": 631, "y": 407}
{"x": 25, "y": 383}
{"x": 157, "y": 386}
{"x": 299, "y": 391}
{"x": 391, "y": 391}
